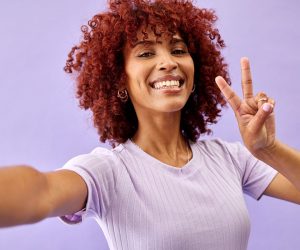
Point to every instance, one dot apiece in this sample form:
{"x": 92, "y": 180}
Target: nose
{"x": 166, "y": 62}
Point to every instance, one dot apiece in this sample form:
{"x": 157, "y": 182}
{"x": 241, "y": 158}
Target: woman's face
{"x": 160, "y": 73}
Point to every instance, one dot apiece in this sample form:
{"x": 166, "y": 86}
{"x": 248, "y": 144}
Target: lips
{"x": 168, "y": 78}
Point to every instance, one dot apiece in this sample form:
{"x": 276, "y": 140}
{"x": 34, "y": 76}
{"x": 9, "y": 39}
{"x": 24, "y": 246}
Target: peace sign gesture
{"x": 254, "y": 114}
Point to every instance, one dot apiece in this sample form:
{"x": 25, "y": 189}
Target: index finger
{"x": 247, "y": 86}
{"x": 232, "y": 98}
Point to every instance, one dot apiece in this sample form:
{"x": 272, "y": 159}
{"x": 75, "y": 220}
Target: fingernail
{"x": 267, "y": 107}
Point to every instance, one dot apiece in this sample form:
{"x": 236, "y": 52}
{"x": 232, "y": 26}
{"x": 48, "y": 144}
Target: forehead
{"x": 145, "y": 35}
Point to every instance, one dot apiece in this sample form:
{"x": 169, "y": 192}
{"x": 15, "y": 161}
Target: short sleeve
{"x": 255, "y": 175}
{"x": 99, "y": 171}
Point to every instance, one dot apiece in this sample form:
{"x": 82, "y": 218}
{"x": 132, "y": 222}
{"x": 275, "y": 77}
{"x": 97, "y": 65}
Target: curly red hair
{"x": 99, "y": 61}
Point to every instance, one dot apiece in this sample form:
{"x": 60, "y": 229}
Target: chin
{"x": 172, "y": 107}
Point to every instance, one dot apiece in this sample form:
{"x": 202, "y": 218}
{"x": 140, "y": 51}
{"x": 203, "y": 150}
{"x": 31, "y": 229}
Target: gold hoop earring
{"x": 123, "y": 95}
{"x": 194, "y": 86}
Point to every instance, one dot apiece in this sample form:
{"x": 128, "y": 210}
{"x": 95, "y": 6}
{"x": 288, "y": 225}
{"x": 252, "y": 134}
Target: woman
{"x": 147, "y": 71}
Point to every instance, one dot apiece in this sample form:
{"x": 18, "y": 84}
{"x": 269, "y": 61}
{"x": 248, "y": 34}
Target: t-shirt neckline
{"x": 185, "y": 168}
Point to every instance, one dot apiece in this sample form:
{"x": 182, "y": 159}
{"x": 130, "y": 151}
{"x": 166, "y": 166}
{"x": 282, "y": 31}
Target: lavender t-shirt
{"x": 141, "y": 203}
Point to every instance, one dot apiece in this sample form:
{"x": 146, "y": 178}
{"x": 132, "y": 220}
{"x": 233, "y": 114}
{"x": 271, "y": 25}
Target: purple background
{"x": 41, "y": 124}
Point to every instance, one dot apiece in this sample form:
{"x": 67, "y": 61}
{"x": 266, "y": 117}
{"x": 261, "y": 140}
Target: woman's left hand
{"x": 254, "y": 114}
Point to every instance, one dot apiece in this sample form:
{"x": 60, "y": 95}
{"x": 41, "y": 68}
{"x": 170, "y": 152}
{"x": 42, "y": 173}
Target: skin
{"x": 159, "y": 113}
{"x": 40, "y": 195}
{"x": 256, "y": 121}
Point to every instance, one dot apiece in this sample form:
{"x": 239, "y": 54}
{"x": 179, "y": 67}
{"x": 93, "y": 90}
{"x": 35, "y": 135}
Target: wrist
{"x": 268, "y": 151}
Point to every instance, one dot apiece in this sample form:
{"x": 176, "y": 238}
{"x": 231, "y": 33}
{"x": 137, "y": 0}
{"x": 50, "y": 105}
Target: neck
{"x": 161, "y": 137}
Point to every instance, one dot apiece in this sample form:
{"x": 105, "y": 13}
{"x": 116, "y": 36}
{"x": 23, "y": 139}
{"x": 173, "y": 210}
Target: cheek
{"x": 136, "y": 79}
{"x": 131, "y": 75}
{"x": 189, "y": 69}
{"x": 192, "y": 71}
{"x": 139, "y": 74}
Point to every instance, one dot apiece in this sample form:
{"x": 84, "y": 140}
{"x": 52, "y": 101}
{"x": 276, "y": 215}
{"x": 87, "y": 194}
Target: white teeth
{"x": 166, "y": 84}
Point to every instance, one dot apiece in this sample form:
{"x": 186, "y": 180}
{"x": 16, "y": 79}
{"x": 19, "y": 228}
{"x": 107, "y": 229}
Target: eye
{"x": 146, "y": 54}
{"x": 179, "y": 51}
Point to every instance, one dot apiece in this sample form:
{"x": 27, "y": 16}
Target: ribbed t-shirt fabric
{"x": 141, "y": 203}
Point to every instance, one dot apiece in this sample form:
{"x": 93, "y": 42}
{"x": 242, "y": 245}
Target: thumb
{"x": 261, "y": 116}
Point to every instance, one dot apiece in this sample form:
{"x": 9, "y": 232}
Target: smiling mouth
{"x": 172, "y": 84}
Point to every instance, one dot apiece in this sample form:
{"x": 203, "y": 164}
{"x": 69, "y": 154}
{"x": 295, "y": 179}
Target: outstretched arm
{"x": 28, "y": 196}
{"x": 256, "y": 121}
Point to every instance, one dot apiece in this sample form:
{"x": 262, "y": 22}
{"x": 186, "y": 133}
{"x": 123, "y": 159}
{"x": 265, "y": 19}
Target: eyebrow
{"x": 174, "y": 40}
{"x": 144, "y": 42}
